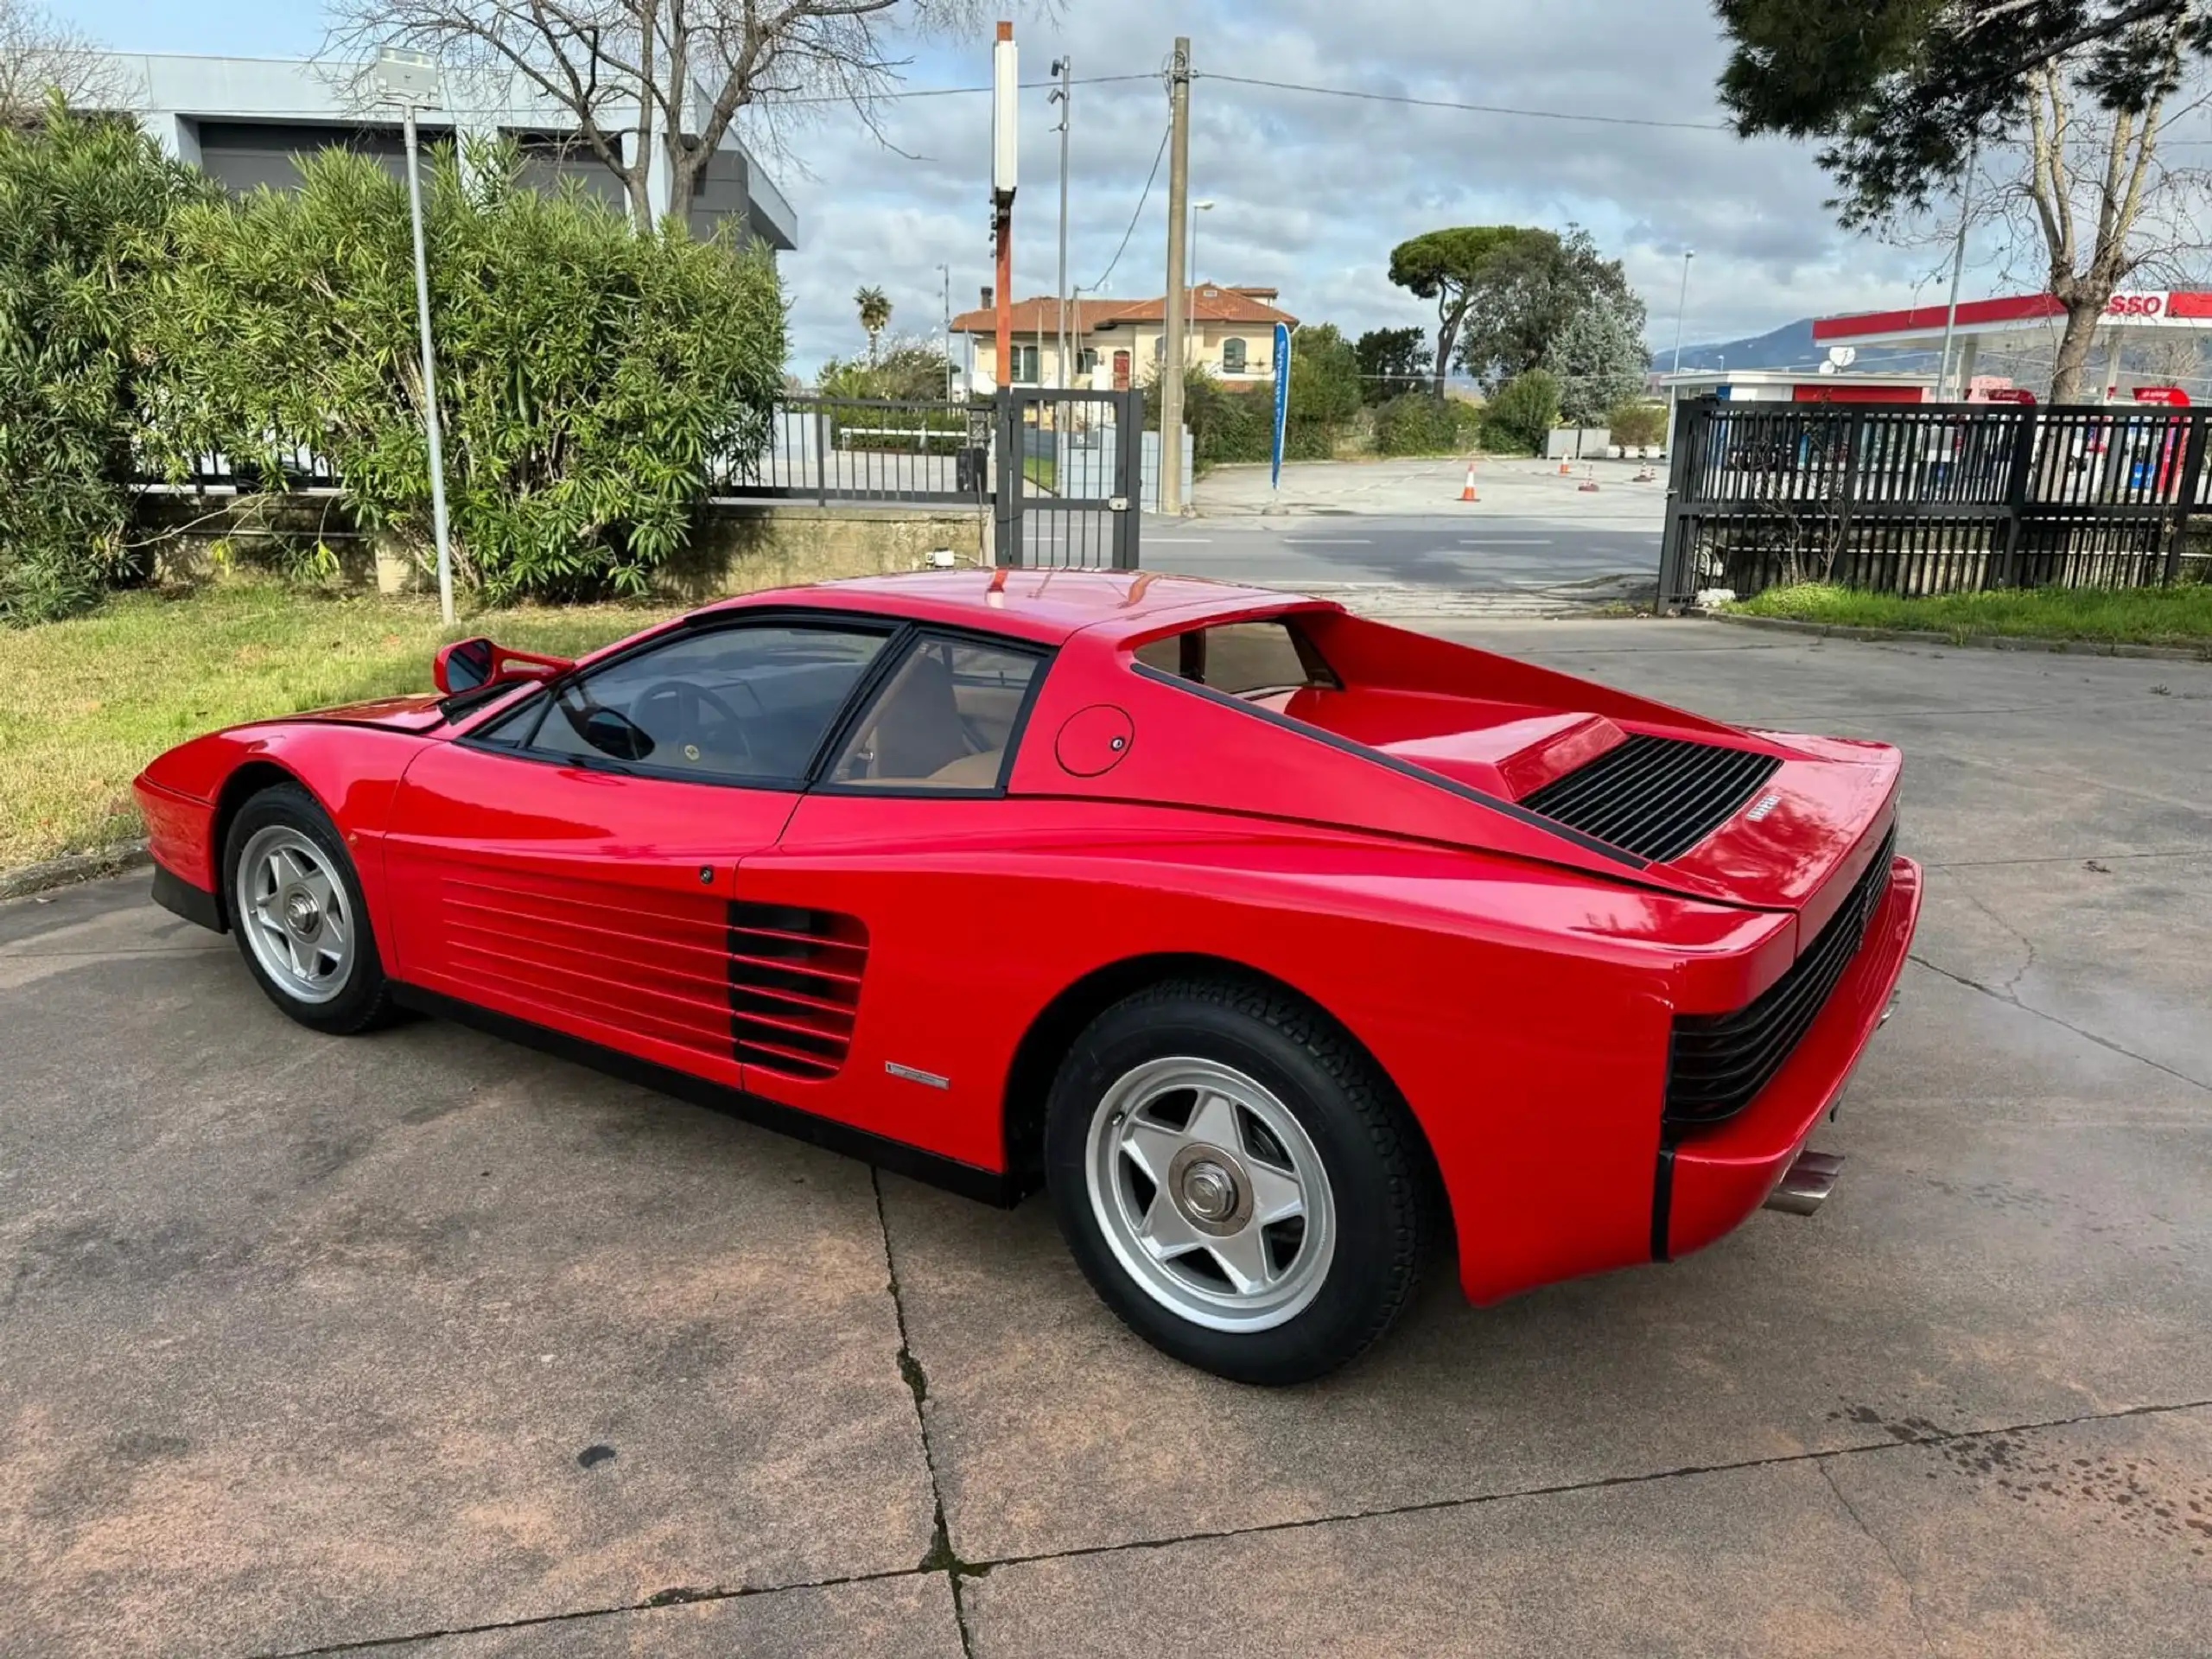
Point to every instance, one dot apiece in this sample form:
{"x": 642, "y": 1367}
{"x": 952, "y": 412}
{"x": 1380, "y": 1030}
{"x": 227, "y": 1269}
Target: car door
{"x": 868, "y": 879}
{"x": 573, "y": 862}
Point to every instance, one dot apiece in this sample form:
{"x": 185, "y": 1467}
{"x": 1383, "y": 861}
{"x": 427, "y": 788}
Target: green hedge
{"x": 1525, "y": 408}
{"x": 1422, "y": 423}
{"x": 83, "y": 204}
{"x": 587, "y": 374}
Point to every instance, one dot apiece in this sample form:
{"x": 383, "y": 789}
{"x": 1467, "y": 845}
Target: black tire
{"x": 1351, "y": 1118}
{"x": 361, "y": 998}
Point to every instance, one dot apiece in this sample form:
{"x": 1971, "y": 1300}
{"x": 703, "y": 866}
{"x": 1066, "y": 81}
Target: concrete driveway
{"x": 429, "y": 1341}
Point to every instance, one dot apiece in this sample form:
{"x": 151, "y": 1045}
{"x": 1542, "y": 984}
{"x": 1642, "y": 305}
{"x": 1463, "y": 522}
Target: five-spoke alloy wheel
{"x": 1236, "y": 1179}
{"x": 295, "y": 914}
{"x": 1210, "y": 1194}
{"x": 296, "y": 908}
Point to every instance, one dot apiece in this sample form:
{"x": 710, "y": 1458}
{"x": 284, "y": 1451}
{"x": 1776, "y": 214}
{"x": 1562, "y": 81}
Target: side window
{"x": 1246, "y": 659}
{"x": 944, "y": 721}
{"x": 734, "y": 704}
{"x": 1232, "y": 356}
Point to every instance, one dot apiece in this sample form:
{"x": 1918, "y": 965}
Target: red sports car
{"x": 1274, "y": 943}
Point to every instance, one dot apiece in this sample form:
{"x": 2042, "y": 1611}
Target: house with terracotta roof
{"x": 1119, "y": 342}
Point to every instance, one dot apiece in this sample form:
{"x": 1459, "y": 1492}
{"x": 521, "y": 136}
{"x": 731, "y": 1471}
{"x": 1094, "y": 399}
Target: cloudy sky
{"x": 1310, "y": 191}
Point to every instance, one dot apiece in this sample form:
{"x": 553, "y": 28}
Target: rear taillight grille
{"x": 1718, "y": 1063}
{"x": 794, "y": 987}
{"x": 1654, "y": 796}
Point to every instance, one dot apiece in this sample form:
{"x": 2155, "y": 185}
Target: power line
{"x": 1126, "y": 235}
{"x": 1472, "y": 109}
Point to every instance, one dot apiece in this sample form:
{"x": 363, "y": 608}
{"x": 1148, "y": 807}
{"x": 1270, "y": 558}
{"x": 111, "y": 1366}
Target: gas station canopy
{"x": 2023, "y": 320}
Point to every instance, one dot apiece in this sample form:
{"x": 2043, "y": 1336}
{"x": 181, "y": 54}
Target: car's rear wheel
{"x": 295, "y": 905}
{"x": 1234, "y": 1179}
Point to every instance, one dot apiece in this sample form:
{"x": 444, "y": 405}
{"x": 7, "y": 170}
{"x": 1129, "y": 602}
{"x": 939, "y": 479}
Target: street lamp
{"x": 1682, "y": 303}
{"x": 410, "y": 79}
{"x": 1197, "y": 207}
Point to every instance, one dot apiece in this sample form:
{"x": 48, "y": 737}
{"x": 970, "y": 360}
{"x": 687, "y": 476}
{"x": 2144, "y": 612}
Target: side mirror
{"x": 464, "y": 665}
{"x": 467, "y": 664}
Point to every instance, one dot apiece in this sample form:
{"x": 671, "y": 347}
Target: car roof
{"x": 1044, "y": 605}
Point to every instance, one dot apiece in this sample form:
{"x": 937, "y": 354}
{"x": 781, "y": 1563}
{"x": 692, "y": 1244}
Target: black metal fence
{"x": 1063, "y": 471}
{"x": 1931, "y": 498}
{"x": 826, "y": 449}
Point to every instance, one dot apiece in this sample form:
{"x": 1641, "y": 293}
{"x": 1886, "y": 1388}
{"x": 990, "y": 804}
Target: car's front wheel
{"x": 1235, "y": 1180}
{"x": 296, "y": 908}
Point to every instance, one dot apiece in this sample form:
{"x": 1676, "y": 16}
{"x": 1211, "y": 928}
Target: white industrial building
{"x": 242, "y": 120}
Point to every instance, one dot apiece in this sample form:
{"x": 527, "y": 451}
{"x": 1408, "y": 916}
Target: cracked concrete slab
{"x": 308, "y": 1341}
{"x": 1752, "y": 1561}
{"x": 2113, "y": 945}
{"x": 305, "y": 1342}
{"x": 905, "y": 1618}
{"x": 2090, "y": 1539}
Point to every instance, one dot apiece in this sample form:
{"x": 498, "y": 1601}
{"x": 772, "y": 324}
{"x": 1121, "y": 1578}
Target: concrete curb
{"x": 76, "y": 866}
{"x": 1977, "y": 641}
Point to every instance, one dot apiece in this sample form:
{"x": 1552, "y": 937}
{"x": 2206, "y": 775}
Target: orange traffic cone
{"x": 1565, "y": 470}
{"x": 1590, "y": 481}
{"x": 1468, "y": 493}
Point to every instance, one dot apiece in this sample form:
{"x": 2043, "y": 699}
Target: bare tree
{"x": 641, "y": 78}
{"x": 2092, "y": 202}
{"x": 40, "y": 57}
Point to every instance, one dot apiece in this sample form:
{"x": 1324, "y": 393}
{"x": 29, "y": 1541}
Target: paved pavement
{"x": 1394, "y": 538}
{"x": 426, "y": 1340}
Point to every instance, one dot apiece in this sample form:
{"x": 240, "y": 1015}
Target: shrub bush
{"x": 1634, "y": 422}
{"x": 1422, "y": 423}
{"x": 82, "y": 205}
{"x": 1523, "y": 409}
{"x": 587, "y": 374}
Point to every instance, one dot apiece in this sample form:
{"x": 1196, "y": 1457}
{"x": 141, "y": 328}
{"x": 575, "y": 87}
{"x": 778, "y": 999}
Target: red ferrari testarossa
{"x": 1273, "y": 942}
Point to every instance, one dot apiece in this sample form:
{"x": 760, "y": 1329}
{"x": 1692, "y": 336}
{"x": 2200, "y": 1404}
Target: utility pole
{"x": 1006, "y": 150}
{"x": 944, "y": 279}
{"x": 1958, "y": 268}
{"x": 411, "y": 79}
{"x": 1170, "y": 350}
{"x": 1063, "y": 67}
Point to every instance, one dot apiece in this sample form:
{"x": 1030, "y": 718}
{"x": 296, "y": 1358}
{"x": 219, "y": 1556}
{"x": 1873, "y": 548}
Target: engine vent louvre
{"x": 1718, "y": 1063}
{"x": 1654, "y": 796}
{"x": 794, "y": 987}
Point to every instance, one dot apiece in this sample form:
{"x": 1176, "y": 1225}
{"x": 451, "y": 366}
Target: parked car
{"x": 1275, "y": 944}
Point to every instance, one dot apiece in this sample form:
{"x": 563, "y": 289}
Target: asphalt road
{"x": 426, "y": 1343}
{"x": 1491, "y": 554}
{"x": 1397, "y": 533}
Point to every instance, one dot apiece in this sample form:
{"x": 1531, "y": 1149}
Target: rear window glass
{"x": 1242, "y": 658}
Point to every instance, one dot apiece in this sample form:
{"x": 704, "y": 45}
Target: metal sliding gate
{"x": 1069, "y": 469}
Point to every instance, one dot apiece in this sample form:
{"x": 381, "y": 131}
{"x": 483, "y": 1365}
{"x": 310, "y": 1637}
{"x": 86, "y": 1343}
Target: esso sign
{"x": 2136, "y": 305}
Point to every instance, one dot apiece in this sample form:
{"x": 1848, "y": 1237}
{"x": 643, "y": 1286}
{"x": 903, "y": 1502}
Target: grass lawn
{"x": 2180, "y": 615}
{"x": 86, "y": 703}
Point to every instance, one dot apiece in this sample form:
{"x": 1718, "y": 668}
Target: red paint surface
{"x": 1830, "y": 391}
{"x": 1516, "y": 985}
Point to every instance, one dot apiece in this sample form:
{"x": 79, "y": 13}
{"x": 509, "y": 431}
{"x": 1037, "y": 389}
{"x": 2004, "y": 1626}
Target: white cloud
{"x": 1312, "y": 192}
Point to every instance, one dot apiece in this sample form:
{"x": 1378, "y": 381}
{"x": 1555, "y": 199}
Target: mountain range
{"x": 1789, "y": 346}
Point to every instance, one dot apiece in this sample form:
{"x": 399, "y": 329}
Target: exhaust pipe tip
{"x": 1806, "y": 1185}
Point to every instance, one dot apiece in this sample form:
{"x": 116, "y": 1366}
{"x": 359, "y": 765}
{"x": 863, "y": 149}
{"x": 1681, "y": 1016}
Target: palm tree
{"x": 875, "y": 315}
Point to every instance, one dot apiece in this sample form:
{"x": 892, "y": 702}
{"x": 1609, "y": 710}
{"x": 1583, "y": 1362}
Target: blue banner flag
{"x": 1283, "y": 399}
